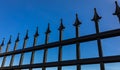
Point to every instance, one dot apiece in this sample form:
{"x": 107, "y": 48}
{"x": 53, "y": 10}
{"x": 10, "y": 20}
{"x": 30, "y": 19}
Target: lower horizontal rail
{"x": 108, "y": 59}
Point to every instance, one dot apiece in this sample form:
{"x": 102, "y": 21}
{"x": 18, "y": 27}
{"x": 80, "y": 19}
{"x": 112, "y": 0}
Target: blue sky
{"x": 20, "y": 15}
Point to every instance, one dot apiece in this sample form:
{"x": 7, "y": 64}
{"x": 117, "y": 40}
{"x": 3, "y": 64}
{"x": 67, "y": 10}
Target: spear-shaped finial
{"x": 48, "y": 29}
{"x": 61, "y": 27}
{"x": 96, "y": 17}
{"x": 17, "y": 40}
{"x": 37, "y": 33}
{"x": 9, "y": 42}
{"x": 117, "y": 11}
{"x": 26, "y": 36}
{"x": 2, "y": 42}
{"x": 77, "y": 22}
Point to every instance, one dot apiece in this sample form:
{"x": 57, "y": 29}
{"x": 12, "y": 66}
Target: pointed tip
{"x": 2, "y": 42}
{"x": 95, "y": 9}
{"x": 9, "y": 42}
{"x": 76, "y": 15}
{"x": 96, "y": 17}
{"x": 116, "y": 2}
{"x": 61, "y": 20}
{"x": 77, "y": 22}
{"x": 117, "y": 10}
{"x": 17, "y": 40}
{"x": 61, "y": 27}
{"x": 48, "y": 29}
{"x": 26, "y": 37}
{"x": 48, "y": 26}
{"x": 36, "y": 33}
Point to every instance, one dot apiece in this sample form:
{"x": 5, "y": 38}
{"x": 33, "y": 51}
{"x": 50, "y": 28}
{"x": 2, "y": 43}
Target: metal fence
{"x": 60, "y": 44}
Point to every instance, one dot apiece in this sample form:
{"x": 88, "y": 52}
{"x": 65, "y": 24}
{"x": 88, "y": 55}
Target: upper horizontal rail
{"x": 102, "y": 35}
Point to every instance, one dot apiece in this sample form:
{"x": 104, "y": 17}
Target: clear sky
{"x": 20, "y": 15}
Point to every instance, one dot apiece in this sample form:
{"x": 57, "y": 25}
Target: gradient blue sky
{"x": 20, "y": 15}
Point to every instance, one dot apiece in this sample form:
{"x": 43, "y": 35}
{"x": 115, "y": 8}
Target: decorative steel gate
{"x": 60, "y": 44}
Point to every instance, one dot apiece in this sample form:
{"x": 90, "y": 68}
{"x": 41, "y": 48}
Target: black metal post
{"x": 2, "y": 44}
{"x": 34, "y": 44}
{"x": 24, "y": 46}
{"x": 4, "y": 58}
{"x": 15, "y": 46}
{"x": 76, "y": 24}
{"x": 46, "y": 42}
{"x": 61, "y": 28}
{"x": 96, "y": 19}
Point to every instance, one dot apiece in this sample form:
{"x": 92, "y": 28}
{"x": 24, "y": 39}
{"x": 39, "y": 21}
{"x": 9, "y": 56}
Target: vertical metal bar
{"x": 60, "y": 51}
{"x": 24, "y": 46}
{"x": 78, "y": 48}
{"x": 60, "y": 46}
{"x": 3, "y": 62}
{"x": 46, "y": 42}
{"x": 15, "y": 46}
{"x": 96, "y": 19}
{"x": 45, "y": 53}
{"x": 33, "y": 52}
{"x": 34, "y": 44}
{"x": 99, "y": 47}
{"x": 76, "y": 24}
{"x": 2, "y": 44}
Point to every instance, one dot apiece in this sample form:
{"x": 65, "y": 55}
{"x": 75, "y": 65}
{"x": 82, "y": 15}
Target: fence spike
{"x": 24, "y": 46}
{"x": 48, "y": 29}
{"x": 61, "y": 27}
{"x": 34, "y": 44}
{"x": 47, "y": 33}
{"x": 4, "y": 58}
{"x": 77, "y": 22}
{"x": 9, "y": 42}
{"x": 46, "y": 42}
{"x": 2, "y": 42}
{"x": 26, "y": 36}
{"x": 17, "y": 40}
{"x": 96, "y": 17}
{"x": 36, "y": 33}
{"x": 117, "y": 11}
{"x": 15, "y": 46}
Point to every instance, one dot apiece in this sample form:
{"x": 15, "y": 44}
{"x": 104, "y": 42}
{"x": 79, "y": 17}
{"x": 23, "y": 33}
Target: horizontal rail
{"x": 91, "y": 37}
{"x": 108, "y": 59}
{"x": 102, "y": 35}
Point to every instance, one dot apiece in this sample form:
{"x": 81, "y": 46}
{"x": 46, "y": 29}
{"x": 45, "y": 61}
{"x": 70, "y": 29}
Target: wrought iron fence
{"x": 60, "y": 44}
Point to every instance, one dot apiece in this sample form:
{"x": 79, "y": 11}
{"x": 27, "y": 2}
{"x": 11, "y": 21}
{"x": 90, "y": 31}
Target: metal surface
{"x": 98, "y": 36}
